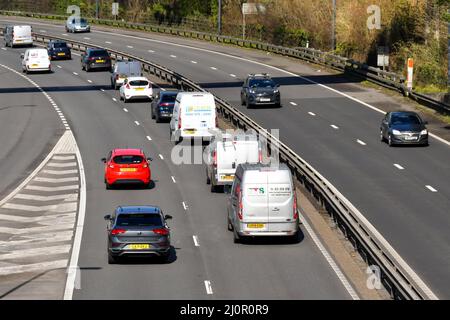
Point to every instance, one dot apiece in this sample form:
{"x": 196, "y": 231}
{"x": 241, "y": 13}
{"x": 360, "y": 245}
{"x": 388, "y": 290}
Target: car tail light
{"x": 240, "y": 205}
{"x": 115, "y": 232}
{"x": 91, "y": 58}
{"x": 164, "y": 104}
{"x": 179, "y": 120}
{"x": 127, "y": 86}
{"x": 215, "y": 159}
{"x": 162, "y": 231}
{"x": 145, "y": 165}
{"x": 149, "y": 85}
{"x": 295, "y": 207}
{"x": 259, "y": 155}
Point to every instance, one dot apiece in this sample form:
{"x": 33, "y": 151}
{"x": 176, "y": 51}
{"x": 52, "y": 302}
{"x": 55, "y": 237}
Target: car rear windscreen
{"x": 139, "y": 220}
{"x": 60, "y": 45}
{"x": 98, "y": 53}
{"x": 138, "y": 83}
{"x": 125, "y": 159}
{"x": 168, "y": 98}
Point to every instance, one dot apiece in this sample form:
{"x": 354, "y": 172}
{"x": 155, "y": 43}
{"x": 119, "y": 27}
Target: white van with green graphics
{"x": 263, "y": 202}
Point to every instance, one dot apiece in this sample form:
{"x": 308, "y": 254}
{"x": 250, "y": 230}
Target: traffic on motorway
{"x": 261, "y": 199}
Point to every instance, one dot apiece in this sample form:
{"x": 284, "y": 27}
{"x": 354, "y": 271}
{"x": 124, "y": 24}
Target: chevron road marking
{"x": 56, "y": 180}
{"x": 62, "y": 165}
{"x": 67, "y": 197}
{"x": 51, "y": 189}
{"x": 64, "y": 207}
{"x": 35, "y": 229}
{"x": 42, "y": 266}
{"x": 60, "y": 172}
{"x": 42, "y": 251}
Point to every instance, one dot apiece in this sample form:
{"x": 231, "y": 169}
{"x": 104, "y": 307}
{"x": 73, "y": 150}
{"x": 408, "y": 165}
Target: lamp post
{"x": 333, "y": 26}
{"x": 219, "y": 18}
{"x": 96, "y": 9}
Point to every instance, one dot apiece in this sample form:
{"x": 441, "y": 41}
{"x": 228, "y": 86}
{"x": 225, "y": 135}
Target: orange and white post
{"x": 410, "y": 72}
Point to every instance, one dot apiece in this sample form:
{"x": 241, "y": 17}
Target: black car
{"x": 138, "y": 231}
{"x": 95, "y": 59}
{"x": 58, "y": 49}
{"x": 162, "y": 105}
{"x": 260, "y": 89}
{"x": 403, "y": 127}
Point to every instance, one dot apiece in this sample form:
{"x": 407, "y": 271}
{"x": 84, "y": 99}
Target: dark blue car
{"x": 403, "y": 127}
{"x": 162, "y": 105}
{"x": 58, "y": 49}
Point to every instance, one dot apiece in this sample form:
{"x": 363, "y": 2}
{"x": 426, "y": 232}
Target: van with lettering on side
{"x": 194, "y": 116}
{"x": 263, "y": 202}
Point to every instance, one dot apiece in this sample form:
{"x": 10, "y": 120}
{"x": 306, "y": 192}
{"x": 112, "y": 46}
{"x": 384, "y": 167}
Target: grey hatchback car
{"x": 260, "y": 89}
{"x": 138, "y": 231}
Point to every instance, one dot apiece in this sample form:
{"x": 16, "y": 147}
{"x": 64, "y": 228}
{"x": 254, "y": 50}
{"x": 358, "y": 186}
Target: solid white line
{"x": 62, "y": 165}
{"x": 312, "y": 114}
{"x": 125, "y": 109}
{"x": 60, "y": 172}
{"x": 208, "y": 287}
{"x": 136, "y": 122}
{"x": 67, "y": 197}
{"x": 361, "y": 142}
{"x": 398, "y": 166}
{"x": 330, "y": 260}
{"x": 41, "y": 266}
{"x": 173, "y": 179}
{"x": 194, "y": 62}
{"x": 114, "y": 99}
{"x": 431, "y": 188}
{"x": 90, "y": 81}
{"x": 185, "y": 205}
{"x": 149, "y": 138}
{"x": 334, "y": 127}
{"x": 41, "y": 188}
{"x": 195, "y": 238}
{"x": 42, "y": 251}
{"x": 161, "y": 156}
{"x": 72, "y": 270}
{"x": 293, "y": 103}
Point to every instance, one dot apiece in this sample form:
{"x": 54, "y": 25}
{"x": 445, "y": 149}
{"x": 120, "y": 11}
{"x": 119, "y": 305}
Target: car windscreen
{"x": 168, "y": 98}
{"x": 139, "y": 220}
{"x": 402, "y": 119}
{"x": 98, "y": 53}
{"x": 138, "y": 83}
{"x": 60, "y": 45}
{"x": 262, "y": 83}
{"x": 83, "y": 22}
{"x": 128, "y": 159}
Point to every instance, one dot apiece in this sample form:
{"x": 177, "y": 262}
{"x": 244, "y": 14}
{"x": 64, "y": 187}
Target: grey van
{"x": 123, "y": 70}
{"x": 262, "y": 202}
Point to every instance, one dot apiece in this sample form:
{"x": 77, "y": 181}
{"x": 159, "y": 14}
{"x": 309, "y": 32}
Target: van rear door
{"x": 198, "y": 115}
{"x": 226, "y": 161}
{"x": 22, "y": 34}
{"x": 280, "y": 199}
{"x": 255, "y": 201}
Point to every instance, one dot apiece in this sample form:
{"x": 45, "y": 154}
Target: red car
{"x": 123, "y": 166}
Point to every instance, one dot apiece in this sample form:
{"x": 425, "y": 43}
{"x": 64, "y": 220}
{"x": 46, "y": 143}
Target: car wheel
{"x": 248, "y": 104}
{"x": 87, "y": 68}
{"x": 164, "y": 257}
{"x": 390, "y": 143}
{"x": 213, "y": 187}
{"x": 82, "y": 67}
{"x": 108, "y": 186}
{"x": 242, "y": 101}
{"x": 112, "y": 259}
{"x": 158, "y": 119}
{"x": 208, "y": 179}
{"x": 151, "y": 112}
{"x": 381, "y": 136}
{"x": 236, "y": 238}
{"x": 229, "y": 225}
{"x": 125, "y": 100}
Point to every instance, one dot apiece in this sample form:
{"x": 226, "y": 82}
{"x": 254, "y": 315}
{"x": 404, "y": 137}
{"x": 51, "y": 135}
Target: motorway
{"x": 203, "y": 248}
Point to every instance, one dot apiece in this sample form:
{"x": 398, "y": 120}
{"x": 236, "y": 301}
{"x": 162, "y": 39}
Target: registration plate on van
{"x": 256, "y": 225}
{"x": 227, "y": 177}
{"x": 190, "y": 131}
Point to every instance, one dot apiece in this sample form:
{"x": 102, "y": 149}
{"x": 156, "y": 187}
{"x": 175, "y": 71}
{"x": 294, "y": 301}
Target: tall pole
{"x": 96, "y": 9}
{"x": 219, "y": 18}
{"x": 333, "y": 27}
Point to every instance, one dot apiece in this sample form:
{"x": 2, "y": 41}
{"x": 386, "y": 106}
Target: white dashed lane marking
{"x": 75, "y": 73}
{"x": 59, "y": 67}
{"x": 361, "y": 142}
{"x": 125, "y": 109}
{"x": 213, "y": 68}
{"x": 293, "y": 103}
{"x": 137, "y": 123}
{"x": 398, "y": 166}
{"x": 4, "y": 49}
{"x": 208, "y": 287}
{"x": 334, "y": 127}
{"x": 114, "y": 99}
{"x": 149, "y": 138}
{"x": 196, "y": 243}
{"x": 173, "y": 179}
{"x": 185, "y": 205}
{"x": 161, "y": 156}
{"x": 173, "y": 56}
{"x": 130, "y": 47}
{"x": 232, "y": 75}
{"x": 108, "y": 42}
{"x": 151, "y": 51}
{"x": 431, "y": 188}
{"x": 90, "y": 81}
{"x": 194, "y": 62}
{"x": 312, "y": 114}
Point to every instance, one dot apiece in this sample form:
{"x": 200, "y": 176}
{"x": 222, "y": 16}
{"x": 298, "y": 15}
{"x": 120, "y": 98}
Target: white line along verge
{"x": 431, "y": 188}
{"x": 399, "y": 167}
{"x": 196, "y": 243}
{"x": 361, "y": 142}
{"x": 66, "y": 141}
{"x": 334, "y": 127}
{"x": 208, "y": 287}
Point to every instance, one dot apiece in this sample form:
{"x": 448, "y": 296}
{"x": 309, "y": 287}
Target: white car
{"x": 36, "y": 59}
{"x": 136, "y": 88}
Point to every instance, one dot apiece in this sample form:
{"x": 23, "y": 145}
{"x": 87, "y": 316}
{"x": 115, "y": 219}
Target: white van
{"x": 18, "y": 35}
{"x": 225, "y": 152}
{"x": 194, "y": 116}
{"x": 262, "y": 202}
{"x": 36, "y": 59}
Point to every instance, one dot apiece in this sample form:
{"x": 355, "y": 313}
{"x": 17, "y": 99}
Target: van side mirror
{"x": 22, "y": 55}
{"x": 149, "y": 159}
{"x": 168, "y": 217}
{"x": 107, "y": 217}
{"x": 104, "y": 160}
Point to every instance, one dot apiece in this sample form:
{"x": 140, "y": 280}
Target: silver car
{"x": 77, "y": 25}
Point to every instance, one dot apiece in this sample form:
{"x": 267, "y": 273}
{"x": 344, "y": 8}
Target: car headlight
{"x": 396, "y": 132}
{"x": 424, "y": 132}
{"x": 252, "y": 91}
{"x": 276, "y": 91}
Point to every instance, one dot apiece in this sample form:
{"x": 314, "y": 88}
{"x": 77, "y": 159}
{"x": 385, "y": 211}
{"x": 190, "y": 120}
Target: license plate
{"x": 191, "y": 131}
{"x": 255, "y": 225}
{"x": 264, "y": 99}
{"x": 34, "y": 65}
{"x": 99, "y": 61}
{"x": 410, "y": 138}
{"x": 128, "y": 169}
{"x": 227, "y": 177}
{"x": 139, "y": 89}
{"x": 61, "y": 54}
{"x": 138, "y": 246}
